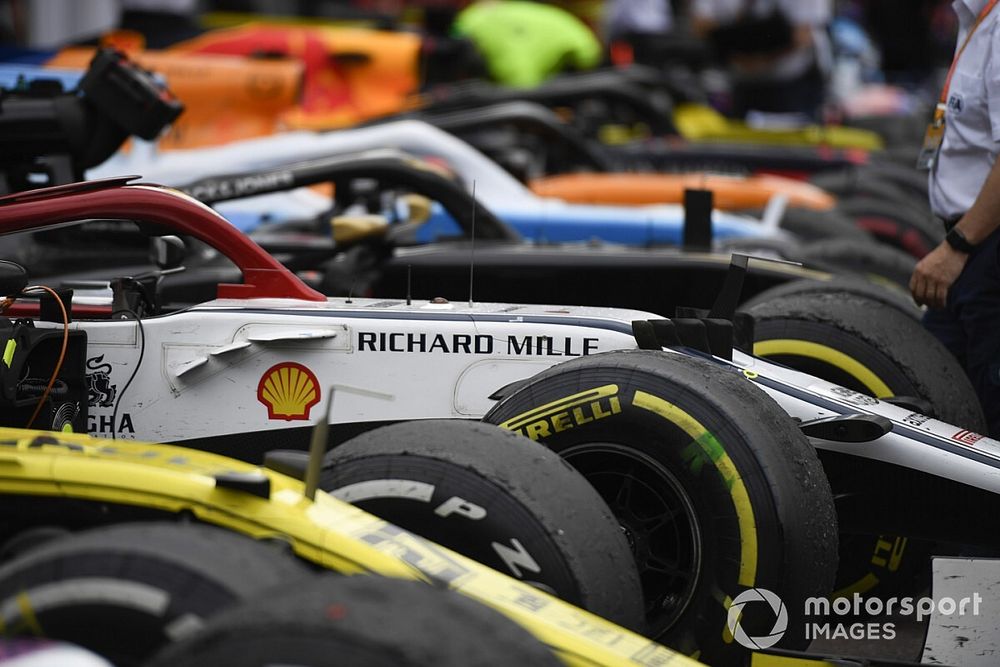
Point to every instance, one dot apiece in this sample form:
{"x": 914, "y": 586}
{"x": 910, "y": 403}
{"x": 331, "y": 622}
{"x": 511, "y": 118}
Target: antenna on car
{"x": 317, "y": 448}
{"x": 409, "y": 284}
{"x": 472, "y": 245}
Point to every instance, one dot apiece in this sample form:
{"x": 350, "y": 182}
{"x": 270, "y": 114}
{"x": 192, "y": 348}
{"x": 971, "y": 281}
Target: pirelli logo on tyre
{"x": 573, "y": 411}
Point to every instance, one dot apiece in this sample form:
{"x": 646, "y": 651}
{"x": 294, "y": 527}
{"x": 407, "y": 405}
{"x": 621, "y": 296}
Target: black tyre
{"x": 886, "y": 295}
{"x": 868, "y": 259}
{"x": 716, "y": 488}
{"x": 881, "y": 351}
{"x": 126, "y": 590}
{"x": 360, "y": 621}
{"x": 897, "y": 131}
{"x": 498, "y": 498}
{"x": 812, "y": 225}
{"x": 912, "y": 230}
{"x": 856, "y": 342}
{"x": 888, "y": 181}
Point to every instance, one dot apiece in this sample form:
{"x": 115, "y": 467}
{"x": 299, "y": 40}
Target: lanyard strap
{"x": 942, "y": 102}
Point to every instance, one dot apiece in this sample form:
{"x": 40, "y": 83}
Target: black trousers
{"x": 969, "y": 325}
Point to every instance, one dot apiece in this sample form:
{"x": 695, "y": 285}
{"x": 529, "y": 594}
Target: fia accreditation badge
{"x": 932, "y": 140}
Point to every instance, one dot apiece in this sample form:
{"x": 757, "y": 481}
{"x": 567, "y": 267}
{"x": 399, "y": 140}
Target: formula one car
{"x": 282, "y": 365}
{"x": 52, "y": 136}
{"x": 386, "y": 261}
{"x": 534, "y": 217}
{"x": 539, "y": 147}
{"x": 836, "y": 341}
{"x": 898, "y": 224}
{"x": 716, "y": 488}
{"x": 353, "y": 75}
{"x": 74, "y": 155}
{"x": 124, "y": 547}
{"x": 227, "y": 100}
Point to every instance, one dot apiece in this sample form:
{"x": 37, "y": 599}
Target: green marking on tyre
{"x": 712, "y": 450}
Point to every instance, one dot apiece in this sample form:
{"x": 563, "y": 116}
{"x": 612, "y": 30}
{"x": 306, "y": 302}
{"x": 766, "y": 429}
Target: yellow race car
{"x": 185, "y": 533}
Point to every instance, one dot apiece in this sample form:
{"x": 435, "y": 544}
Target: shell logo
{"x": 289, "y": 390}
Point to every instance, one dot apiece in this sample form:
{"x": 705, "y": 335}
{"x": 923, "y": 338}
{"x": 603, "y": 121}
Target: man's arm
{"x": 940, "y": 268}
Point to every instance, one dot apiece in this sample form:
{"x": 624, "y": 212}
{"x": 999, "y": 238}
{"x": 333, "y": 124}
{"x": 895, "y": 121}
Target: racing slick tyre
{"x": 885, "y": 295}
{"x": 361, "y": 621}
{"x": 833, "y": 335}
{"x": 498, "y": 498}
{"x": 914, "y": 231}
{"x": 717, "y": 490}
{"x": 125, "y": 590}
{"x": 857, "y": 343}
{"x": 890, "y": 182}
{"x": 813, "y": 225}
{"x": 874, "y": 261}
{"x": 810, "y": 225}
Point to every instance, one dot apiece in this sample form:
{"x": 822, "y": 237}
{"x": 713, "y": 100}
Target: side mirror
{"x": 167, "y": 252}
{"x": 13, "y": 278}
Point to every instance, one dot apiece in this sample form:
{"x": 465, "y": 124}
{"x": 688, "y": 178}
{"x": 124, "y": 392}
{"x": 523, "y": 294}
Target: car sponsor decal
{"x": 853, "y": 397}
{"x": 103, "y": 425}
{"x": 63, "y": 416}
{"x": 968, "y": 437}
{"x": 239, "y": 186}
{"x": 101, "y": 397}
{"x": 289, "y": 391}
{"x": 100, "y": 391}
{"x": 513, "y": 345}
{"x": 916, "y": 419}
{"x": 422, "y": 555}
{"x": 566, "y": 413}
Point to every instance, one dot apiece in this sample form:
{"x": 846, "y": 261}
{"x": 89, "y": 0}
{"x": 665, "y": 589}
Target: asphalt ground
{"x": 906, "y": 645}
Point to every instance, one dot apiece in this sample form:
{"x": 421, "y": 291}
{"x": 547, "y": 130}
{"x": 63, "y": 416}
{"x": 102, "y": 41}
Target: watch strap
{"x": 956, "y": 239}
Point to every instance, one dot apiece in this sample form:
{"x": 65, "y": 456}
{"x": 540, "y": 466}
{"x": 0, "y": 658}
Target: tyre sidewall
{"x": 717, "y": 472}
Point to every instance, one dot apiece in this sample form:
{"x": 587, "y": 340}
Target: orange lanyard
{"x": 942, "y": 102}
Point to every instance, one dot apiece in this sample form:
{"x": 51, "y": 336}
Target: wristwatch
{"x": 956, "y": 239}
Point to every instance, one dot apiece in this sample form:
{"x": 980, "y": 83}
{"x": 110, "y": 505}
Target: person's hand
{"x": 935, "y": 274}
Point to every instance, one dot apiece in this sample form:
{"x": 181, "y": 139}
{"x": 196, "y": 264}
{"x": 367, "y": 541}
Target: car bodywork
{"x": 730, "y": 192}
{"x": 39, "y": 466}
{"x": 434, "y": 359}
{"x": 536, "y": 218}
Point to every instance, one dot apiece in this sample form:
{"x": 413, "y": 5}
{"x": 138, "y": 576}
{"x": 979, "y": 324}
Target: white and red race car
{"x": 718, "y": 465}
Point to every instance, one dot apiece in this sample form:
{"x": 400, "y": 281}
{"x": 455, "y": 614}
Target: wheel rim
{"x": 659, "y": 522}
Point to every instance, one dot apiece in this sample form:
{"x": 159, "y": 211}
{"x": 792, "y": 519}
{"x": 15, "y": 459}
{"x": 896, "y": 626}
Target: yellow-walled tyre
{"x": 876, "y": 347}
{"x": 865, "y": 345}
{"x": 715, "y": 487}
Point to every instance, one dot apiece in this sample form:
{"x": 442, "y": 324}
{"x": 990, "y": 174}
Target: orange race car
{"x": 257, "y": 79}
{"x": 731, "y": 192}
